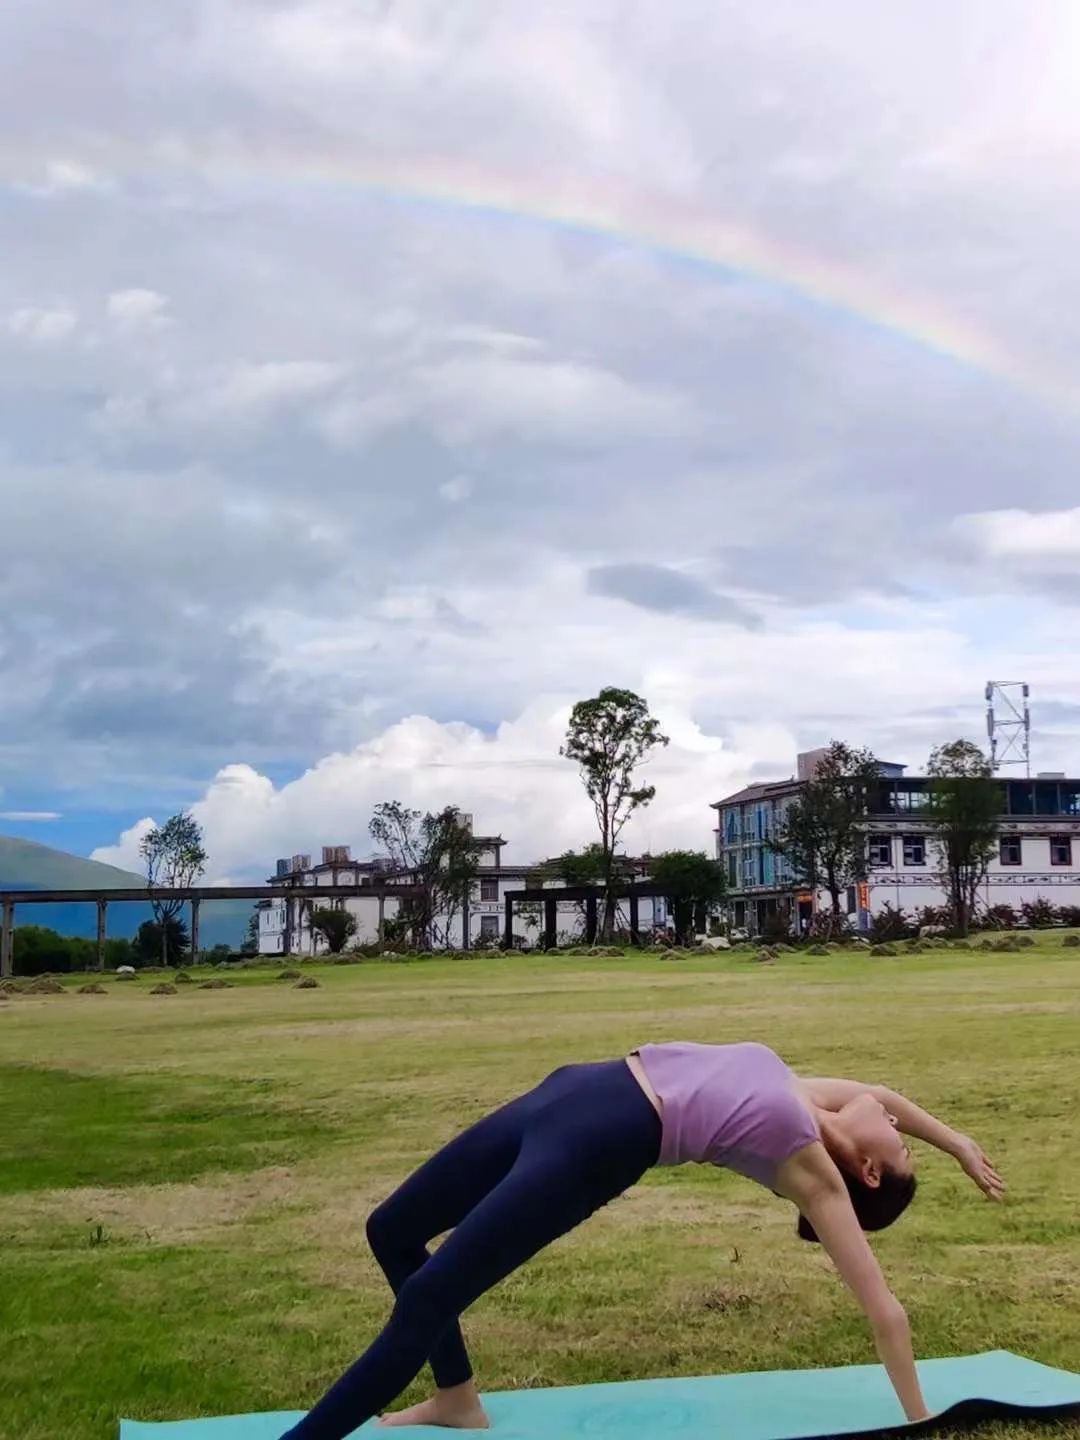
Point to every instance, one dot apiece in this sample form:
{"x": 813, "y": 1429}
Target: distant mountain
{"x": 25, "y": 865}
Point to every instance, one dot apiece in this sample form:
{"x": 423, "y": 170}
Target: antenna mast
{"x": 1008, "y": 724}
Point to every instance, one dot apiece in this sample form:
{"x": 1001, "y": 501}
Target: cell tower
{"x": 1008, "y": 724}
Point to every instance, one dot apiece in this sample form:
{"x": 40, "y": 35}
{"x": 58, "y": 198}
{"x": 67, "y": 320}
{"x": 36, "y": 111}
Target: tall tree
{"x": 692, "y": 884}
{"x": 174, "y": 857}
{"x": 821, "y": 834}
{"x": 435, "y": 852}
{"x": 964, "y": 804}
{"x": 335, "y": 926}
{"x": 610, "y": 736}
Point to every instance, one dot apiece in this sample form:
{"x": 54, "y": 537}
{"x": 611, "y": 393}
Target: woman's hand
{"x": 973, "y": 1162}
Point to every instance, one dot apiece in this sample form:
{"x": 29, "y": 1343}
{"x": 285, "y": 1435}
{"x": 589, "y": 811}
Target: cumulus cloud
{"x": 1034, "y": 539}
{"x": 138, "y": 311}
{"x": 43, "y": 326}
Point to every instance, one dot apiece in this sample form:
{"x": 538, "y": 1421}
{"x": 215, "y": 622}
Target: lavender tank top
{"x": 729, "y": 1105}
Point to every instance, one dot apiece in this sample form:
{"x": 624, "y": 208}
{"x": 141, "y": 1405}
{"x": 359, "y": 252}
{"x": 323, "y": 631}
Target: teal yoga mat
{"x": 767, "y": 1405}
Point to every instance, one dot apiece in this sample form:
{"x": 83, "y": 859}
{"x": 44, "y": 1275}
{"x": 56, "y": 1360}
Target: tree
{"x": 577, "y": 868}
{"x": 692, "y": 883}
{"x": 174, "y": 858}
{"x": 821, "y": 834}
{"x": 610, "y": 736}
{"x": 251, "y": 935}
{"x": 964, "y": 803}
{"x": 150, "y": 946}
{"x": 434, "y": 852}
{"x": 335, "y": 926}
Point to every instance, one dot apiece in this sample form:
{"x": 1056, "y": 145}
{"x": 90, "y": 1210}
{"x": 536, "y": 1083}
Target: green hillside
{"x": 26, "y": 865}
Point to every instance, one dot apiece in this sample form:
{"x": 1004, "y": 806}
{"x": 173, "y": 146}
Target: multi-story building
{"x": 1038, "y": 849}
{"x": 285, "y": 921}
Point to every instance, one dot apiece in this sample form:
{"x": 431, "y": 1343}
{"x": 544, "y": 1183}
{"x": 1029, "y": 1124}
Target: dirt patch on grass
{"x": 179, "y": 1214}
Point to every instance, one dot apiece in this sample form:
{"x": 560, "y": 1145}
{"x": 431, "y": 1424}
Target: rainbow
{"x": 671, "y": 226}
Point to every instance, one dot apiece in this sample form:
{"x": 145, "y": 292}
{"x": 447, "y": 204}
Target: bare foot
{"x": 450, "y": 1411}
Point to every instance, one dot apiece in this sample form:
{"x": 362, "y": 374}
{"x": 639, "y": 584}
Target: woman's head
{"x": 876, "y": 1207}
{"x": 874, "y": 1160}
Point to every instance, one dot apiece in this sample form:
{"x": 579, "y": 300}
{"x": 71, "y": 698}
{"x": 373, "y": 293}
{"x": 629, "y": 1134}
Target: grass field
{"x": 185, "y": 1178}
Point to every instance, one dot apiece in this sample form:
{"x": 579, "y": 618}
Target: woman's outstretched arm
{"x": 834, "y": 1094}
{"x": 813, "y": 1181}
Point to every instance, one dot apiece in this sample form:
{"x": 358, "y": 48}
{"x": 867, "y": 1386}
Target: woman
{"x": 542, "y": 1164}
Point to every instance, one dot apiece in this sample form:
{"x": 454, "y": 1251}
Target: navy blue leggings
{"x": 507, "y": 1187}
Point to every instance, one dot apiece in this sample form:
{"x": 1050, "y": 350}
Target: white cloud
{"x": 43, "y": 326}
{"x": 125, "y": 853}
{"x": 1029, "y": 537}
{"x": 474, "y": 397}
{"x": 31, "y": 816}
{"x": 138, "y": 311}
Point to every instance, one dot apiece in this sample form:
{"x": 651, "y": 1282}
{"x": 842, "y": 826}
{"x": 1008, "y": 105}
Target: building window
{"x": 489, "y": 927}
{"x": 914, "y": 850}
{"x": 1060, "y": 849}
{"x": 879, "y": 850}
{"x": 851, "y": 899}
{"x": 732, "y": 868}
{"x": 489, "y": 890}
{"x": 1011, "y": 850}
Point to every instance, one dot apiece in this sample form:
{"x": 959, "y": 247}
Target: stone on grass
{"x": 882, "y": 951}
{"x": 126, "y": 975}
{"x": 288, "y": 975}
{"x": 164, "y": 989}
{"x": 216, "y": 984}
{"x": 307, "y": 983}
{"x": 92, "y": 990}
{"x": 1071, "y": 942}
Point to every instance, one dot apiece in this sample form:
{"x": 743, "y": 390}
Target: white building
{"x": 1038, "y": 849}
{"x": 285, "y": 923}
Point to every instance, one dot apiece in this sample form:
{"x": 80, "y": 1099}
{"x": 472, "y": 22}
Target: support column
{"x": 551, "y": 938}
{"x": 635, "y": 931}
{"x": 286, "y": 944}
{"x": 508, "y": 925}
{"x": 195, "y": 930}
{"x": 382, "y": 918}
{"x": 465, "y": 919}
{"x": 7, "y": 940}
{"x": 590, "y": 920}
{"x": 102, "y": 908}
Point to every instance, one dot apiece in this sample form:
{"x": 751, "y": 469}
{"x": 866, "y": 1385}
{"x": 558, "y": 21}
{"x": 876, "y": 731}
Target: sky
{"x": 378, "y": 379}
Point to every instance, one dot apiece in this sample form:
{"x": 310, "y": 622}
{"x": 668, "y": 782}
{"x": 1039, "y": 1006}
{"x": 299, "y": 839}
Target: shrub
{"x": 1071, "y": 941}
{"x": 1069, "y": 915}
{"x": 1000, "y": 917}
{"x": 307, "y": 983}
{"x": 880, "y": 951}
{"x": 1039, "y": 913}
{"x": 891, "y": 923}
{"x": 92, "y": 990}
{"x": 288, "y": 975}
{"x": 936, "y": 916}
{"x": 165, "y": 989}
{"x": 216, "y": 984}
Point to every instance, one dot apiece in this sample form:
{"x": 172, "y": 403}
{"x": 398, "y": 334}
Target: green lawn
{"x": 184, "y": 1179}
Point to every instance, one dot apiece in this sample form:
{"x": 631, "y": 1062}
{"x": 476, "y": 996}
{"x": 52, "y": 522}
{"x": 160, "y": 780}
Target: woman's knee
{"x": 384, "y": 1230}
{"x": 423, "y": 1304}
